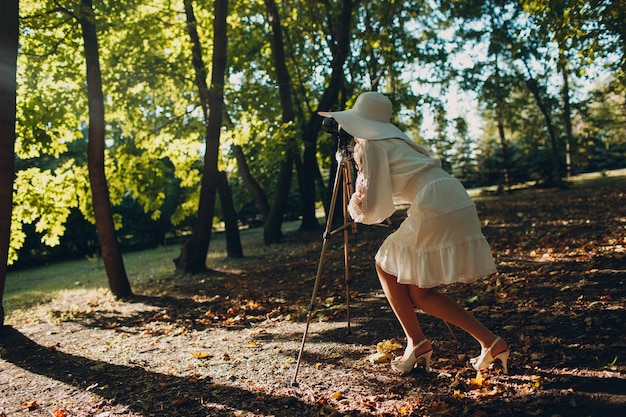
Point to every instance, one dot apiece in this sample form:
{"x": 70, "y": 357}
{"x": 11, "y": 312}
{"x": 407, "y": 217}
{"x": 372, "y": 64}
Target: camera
{"x": 331, "y": 126}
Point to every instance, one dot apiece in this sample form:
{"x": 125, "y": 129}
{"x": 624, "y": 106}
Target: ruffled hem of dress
{"x": 462, "y": 262}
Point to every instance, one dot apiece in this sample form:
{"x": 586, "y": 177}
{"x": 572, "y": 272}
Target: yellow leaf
{"x": 479, "y": 380}
{"x": 379, "y": 357}
{"x": 458, "y": 394}
{"x": 535, "y": 381}
{"x": 387, "y": 346}
{"x": 337, "y": 395}
{"x": 201, "y": 355}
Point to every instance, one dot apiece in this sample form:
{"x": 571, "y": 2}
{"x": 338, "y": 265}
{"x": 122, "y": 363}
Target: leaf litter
{"x": 226, "y": 343}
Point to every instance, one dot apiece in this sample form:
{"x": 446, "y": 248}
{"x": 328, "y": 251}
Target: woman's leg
{"x": 445, "y": 308}
{"x": 402, "y": 305}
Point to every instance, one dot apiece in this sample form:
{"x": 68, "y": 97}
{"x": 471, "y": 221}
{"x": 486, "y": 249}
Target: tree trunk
{"x": 506, "y": 159}
{"x": 570, "y": 144}
{"x": 506, "y": 163}
{"x": 111, "y": 254}
{"x": 339, "y": 47}
{"x": 271, "y": 231}
{"x": 9, "y": 30}
{"x": 534, "y": 89}
{"x": 272, "y": 228}
{"x": 233, "y": 240}
{"x": 192, "y": 258}
{"x": 258, "y": 195}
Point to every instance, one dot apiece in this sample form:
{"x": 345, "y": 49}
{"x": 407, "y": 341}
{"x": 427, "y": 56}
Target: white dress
{"x": 440, "y": 241}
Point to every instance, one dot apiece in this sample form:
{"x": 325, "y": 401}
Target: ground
{"x": 226, "y": 343}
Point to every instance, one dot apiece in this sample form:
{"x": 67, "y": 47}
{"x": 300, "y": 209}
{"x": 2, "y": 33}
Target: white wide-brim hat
{"x": 369, "y": 118}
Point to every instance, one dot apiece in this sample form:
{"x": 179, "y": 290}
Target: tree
{"x": 9, "y": 29}
{"x": 192, "y": 258}
{"x": 272, "y": 229}
{"x": 111, "y": 254}
{"x": 251, "y": 183}
{"x": 462, "y": 161}
{"x": 339, "y": 28}
{"x": 233, "y": 239}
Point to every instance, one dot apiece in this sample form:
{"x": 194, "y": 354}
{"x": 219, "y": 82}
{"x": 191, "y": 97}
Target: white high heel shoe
{"x": 485, "y": 359}
{"x": 408, "y": 365}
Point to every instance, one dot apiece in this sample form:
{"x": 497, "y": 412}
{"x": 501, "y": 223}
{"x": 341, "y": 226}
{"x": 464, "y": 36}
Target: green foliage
{"x": 408, "y": 50}
{"x": 34, "y": 204}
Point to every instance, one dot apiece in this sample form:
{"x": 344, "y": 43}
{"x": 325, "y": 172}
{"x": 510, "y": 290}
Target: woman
{"x": 440, "y": 242}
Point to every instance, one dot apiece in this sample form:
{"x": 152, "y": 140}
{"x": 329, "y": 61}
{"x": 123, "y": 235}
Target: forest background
{"x": 131, "y": 116}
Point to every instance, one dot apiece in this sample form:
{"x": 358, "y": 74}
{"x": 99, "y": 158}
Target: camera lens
{"x": 330, "y": 125}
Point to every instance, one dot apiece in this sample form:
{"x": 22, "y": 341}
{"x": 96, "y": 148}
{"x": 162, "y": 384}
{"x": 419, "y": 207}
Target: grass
{"x": 26, "y": 288}
{"x": 31, "y": 287}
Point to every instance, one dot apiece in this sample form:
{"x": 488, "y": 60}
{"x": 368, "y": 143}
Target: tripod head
{"x": 345, "y": 140}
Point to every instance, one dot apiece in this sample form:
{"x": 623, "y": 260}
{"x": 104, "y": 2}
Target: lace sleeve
{"x": 372, "y": 201}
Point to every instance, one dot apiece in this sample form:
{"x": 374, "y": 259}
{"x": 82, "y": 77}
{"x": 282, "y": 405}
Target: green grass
{"x": 34, "y": 286}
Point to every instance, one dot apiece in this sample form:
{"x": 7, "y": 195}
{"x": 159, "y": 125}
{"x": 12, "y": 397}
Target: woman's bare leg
{"x": 443, "y": 307}
{"x": 402, "y": 305}
{"x": 403, "y": 298}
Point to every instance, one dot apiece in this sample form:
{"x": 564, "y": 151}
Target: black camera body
{"x": 331, "y": 126}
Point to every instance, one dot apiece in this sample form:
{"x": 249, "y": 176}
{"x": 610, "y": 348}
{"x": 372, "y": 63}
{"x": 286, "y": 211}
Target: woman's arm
{"x": 372, "y": 201}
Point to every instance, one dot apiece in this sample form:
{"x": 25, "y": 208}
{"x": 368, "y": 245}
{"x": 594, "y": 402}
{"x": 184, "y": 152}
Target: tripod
{"x": 343, "y": 182}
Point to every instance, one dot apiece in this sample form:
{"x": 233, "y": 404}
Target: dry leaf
{"x": 387, "y": 346}
{"x": 201, "y": 355}
{"x": 379, "y": 357}
{"x": 60, "y": 412}
{"x": 181, "y": 401}
{"x": 31, "y": 405}
{"x": 535, "y": 381}
{"x": 479, "y": 380}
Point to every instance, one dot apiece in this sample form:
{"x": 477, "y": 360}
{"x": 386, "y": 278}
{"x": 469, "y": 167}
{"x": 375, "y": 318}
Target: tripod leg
{"x": 327, "y": 233}
{"x": 347, "y": 193}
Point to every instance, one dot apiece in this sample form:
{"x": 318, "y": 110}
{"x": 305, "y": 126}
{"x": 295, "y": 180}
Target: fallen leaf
{"x": 200, "y": 355}
{"x": 479, "y": 380}
{"x": 379, "y": 357}
{"x": 181, "y": 401}
{"x": 535, "y": 381}
{"x": 458, "y": 395}
{"x": 31, "y": 405}
{"x": 388, "y": 346}
{"x": 60, "y": 412}
{"x": 406, "y": 410}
